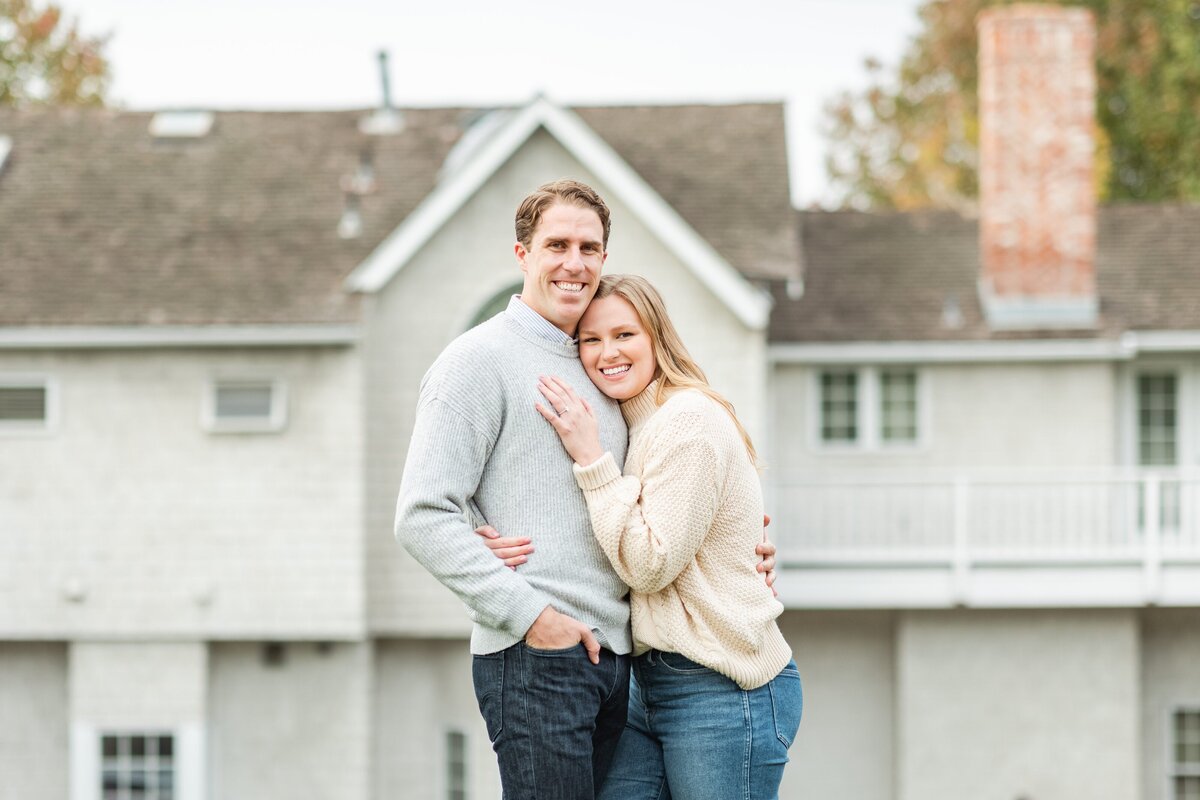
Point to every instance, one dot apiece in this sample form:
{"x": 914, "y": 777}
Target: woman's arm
{"x": 652, "y": 525}
{"x": 572, "y": 419}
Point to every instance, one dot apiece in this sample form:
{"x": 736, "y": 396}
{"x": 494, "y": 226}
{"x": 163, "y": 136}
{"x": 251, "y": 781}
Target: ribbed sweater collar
{"x": 640, "y": 407}
{"x": 520, "y": 324}
{"x": 535, "y": 322}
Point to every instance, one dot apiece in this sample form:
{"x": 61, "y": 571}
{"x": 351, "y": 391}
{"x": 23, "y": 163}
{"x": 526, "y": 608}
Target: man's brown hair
{"x": 529, "y": 213}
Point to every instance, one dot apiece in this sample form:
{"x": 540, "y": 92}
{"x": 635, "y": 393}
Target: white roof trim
{"x": 946, "y": 352}
{"x": 1162, "y": 341}
{"x": 87, "y": 337}
{"x": 751, "y": 305}
{"x": 1129, "y": 346}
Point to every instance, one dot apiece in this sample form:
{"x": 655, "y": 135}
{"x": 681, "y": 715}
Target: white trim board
{"x": 1126, "y": 348}
{"x": 1162, "y": 341}
{"x": 934, "y": 352}
{"x": 750, "y": 304}
{"x": 135, "y": 336}
{"x": 5, "y": 149}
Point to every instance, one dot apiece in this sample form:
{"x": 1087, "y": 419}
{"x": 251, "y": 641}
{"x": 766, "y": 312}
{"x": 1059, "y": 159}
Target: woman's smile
{"x": 616, "y": 351}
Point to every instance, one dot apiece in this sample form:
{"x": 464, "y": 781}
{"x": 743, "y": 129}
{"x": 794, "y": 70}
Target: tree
{"x": 911, "y": 140}
{"x": 46, "y": 61}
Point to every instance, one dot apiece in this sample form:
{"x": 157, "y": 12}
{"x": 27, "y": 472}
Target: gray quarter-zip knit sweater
{"x": 480, "y": 451}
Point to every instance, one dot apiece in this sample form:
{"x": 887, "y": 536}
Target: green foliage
{"x": 45, "y": 61}
{"x": 911, "y": 140}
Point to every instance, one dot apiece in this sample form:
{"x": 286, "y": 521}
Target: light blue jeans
{"x": 693, "y": 734}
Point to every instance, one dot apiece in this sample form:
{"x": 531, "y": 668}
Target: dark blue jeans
{"x": 554, "y": 718}
{"x": 694, "y": 734}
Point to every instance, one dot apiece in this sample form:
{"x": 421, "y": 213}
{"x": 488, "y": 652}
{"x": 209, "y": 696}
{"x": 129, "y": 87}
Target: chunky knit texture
{"x": 680, "y": 526}
{"x": 480, "y": 451}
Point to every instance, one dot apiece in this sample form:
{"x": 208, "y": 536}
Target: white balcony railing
{"x": 992, "y": 538}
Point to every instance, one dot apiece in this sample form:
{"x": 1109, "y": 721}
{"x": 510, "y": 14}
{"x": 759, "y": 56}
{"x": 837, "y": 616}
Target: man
{"x": 481, "y": 452}
{"x": 551, "y": 641}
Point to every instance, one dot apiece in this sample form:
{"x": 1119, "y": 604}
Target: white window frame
{"x": 1187, "y": 377}
{"x": 869, "y": 419}
{"x": 466, "y": 762}
{"x": 469, "y": 320}
{"x": 861, "y": 415}
{"x": 1179, "y": 377}
{"x": 86, "y": 771}
{"x": 1171, "y": 773}
{"x": 49, "y": 423}
{"x": 273, "y": 423}
{"x": 1187, "y": 429}
{"x": 148, "y": 765}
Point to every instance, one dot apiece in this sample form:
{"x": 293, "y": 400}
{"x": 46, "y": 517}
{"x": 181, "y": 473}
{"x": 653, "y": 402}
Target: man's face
{"x": 562, "y": 264}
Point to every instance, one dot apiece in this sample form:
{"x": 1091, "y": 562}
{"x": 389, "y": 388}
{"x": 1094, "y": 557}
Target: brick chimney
{"x": 1037, "y": 89}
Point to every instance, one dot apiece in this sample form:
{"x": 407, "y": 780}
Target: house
{"x": 985, "y": 467}
{"x": 981, "y": 438}
{"x": 212, "y": 331}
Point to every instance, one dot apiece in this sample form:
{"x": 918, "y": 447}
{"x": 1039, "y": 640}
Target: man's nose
{"x": 574, "y": 259}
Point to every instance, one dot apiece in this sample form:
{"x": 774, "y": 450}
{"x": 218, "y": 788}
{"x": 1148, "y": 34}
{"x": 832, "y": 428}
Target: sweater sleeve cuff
{"x": 525, "y": 611}
{"x": 603, "y": 470}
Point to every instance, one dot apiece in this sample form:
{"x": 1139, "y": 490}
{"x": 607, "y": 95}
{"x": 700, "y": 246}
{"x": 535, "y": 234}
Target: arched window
{"x": 497, "y": 303}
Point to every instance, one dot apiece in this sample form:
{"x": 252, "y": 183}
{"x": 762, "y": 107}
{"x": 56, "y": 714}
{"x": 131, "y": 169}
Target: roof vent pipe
{"x": 386, "y": 119}
{"x": 383, "y": 78}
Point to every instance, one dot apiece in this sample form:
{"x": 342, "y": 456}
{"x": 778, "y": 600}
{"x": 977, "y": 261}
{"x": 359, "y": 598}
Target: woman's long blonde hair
{"x": 676, "y": 369}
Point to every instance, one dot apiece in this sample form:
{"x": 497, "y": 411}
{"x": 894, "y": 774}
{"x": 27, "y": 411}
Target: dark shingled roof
{"x": 724, "y": 169}
{"x": 893, "y": 277}
{"x": 101, "y": 224}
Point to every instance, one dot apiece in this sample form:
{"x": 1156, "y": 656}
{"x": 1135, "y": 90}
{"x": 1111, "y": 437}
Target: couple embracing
{"x": 624, "y": 492}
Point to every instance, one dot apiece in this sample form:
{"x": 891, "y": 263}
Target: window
{"x": 869, "y": 408}
{"x": 456, "y": 765}
{"x": 898, "y": 399}
{"x": 1185, "y": 755}
{"x": 1158, "y": 424}
{"x": 245, "y": 406}
{"x": 839, "y": 406}
{"x": 497, "y": 303}
{"x": 1158, "y": 440}
{"x": 26, "y": 404}
{"x": 137, "y": 766}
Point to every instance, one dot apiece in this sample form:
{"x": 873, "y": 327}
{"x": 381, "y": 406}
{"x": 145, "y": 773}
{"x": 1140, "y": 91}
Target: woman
{"x": 715, "y": 698}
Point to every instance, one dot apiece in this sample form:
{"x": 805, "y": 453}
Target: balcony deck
{"x": 1039, "y": 538}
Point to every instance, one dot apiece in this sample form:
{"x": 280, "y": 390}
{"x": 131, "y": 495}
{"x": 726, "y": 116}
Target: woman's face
{"x": 615, "y": 349}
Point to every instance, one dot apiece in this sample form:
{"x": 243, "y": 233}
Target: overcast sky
{"x": 321, "y": 54}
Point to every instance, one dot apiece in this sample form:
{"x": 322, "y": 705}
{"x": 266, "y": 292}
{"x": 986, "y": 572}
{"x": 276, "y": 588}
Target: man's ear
{"x": 522, "y": 254}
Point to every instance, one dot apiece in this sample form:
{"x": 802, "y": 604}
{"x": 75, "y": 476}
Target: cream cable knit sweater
{"x": 680, "y": 527}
